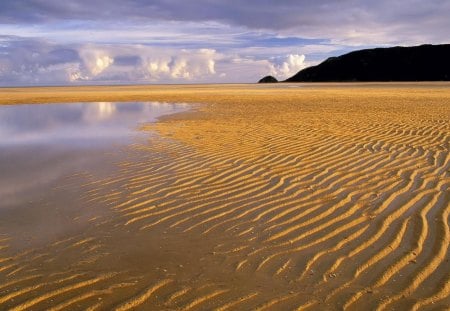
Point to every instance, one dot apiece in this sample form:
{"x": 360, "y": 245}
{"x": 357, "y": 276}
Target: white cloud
{"x": 93, "y": 62}
{"x": 32, "y": 62}
{"x": 189, "y": 65}
{"x": 154, "y": 67}
{"x": 28, "y": 61}
{"x": 292, "y": 64}
{"x": 236, "y": 68}
{"x": 240, "y": 69}
{"x": 180, "y": 70}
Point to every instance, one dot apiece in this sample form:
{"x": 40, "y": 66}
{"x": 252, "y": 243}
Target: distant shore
{"x": 207, "y": 93}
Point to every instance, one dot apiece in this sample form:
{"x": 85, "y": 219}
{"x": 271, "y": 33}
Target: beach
{"x": 259, "y": 197}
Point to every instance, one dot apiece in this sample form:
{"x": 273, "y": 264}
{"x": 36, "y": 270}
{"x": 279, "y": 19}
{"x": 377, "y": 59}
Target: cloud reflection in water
{"x": 40, "y": 144}
{"x": 78, "y": 123}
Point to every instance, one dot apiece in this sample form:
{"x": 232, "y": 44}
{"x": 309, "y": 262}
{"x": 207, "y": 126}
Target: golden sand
{"x": 322, "y": 197}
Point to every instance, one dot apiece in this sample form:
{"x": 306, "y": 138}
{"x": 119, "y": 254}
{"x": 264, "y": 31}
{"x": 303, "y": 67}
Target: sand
{"x": 279, "y": 197}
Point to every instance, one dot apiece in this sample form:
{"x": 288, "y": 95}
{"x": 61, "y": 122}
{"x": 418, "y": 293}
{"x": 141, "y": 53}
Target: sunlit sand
{"x": 261, "y": 197}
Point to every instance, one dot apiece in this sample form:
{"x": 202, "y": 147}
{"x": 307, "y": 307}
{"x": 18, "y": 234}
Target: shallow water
{"x": 77, "y": 124}
{"x": 41, "y": 145}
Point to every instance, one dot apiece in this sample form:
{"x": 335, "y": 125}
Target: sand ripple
{"x": 333, "y": 200}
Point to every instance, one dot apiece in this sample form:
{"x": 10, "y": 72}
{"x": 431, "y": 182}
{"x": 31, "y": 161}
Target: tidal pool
{"x": 41, "y": 145}
{"x": 76, "y": 124}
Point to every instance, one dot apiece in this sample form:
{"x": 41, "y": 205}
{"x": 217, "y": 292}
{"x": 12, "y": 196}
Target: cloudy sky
{"x": 54, "y": 42}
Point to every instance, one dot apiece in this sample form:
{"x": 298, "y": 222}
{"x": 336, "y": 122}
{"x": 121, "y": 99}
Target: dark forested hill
{"x": 418, "y": 63}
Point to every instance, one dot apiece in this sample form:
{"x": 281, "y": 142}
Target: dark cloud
{"x": 127, "y": 60}
{"x": 261, "y": 14}
{"x": 29, "y": 61}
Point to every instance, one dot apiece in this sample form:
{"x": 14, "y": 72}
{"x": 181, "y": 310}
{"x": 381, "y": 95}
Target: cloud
{"x": 95, "y": 61}
{"x": 30, "y": 61}
{"x": 289, "y": 66}
{"x": 353, "y": 21}
{"x": 171, "y": 65}
{"x": 238, "y": 68}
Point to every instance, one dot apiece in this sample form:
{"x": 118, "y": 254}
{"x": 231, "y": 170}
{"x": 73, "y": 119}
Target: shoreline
{"x": 206, "y": 93}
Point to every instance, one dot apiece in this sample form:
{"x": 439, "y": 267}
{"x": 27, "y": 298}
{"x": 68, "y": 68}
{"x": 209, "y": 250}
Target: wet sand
{"x": 279, "y": 197}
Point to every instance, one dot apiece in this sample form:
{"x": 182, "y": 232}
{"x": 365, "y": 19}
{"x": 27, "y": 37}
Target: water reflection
{"x": 40, "y": 144}
{"x": 79, "y": 123}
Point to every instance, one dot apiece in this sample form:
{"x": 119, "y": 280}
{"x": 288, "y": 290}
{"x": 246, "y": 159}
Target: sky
{"x": 73, "y": 42}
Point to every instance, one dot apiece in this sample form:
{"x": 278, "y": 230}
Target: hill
{"x": 418, "y": 63}
{"x": 268, "y": 79}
